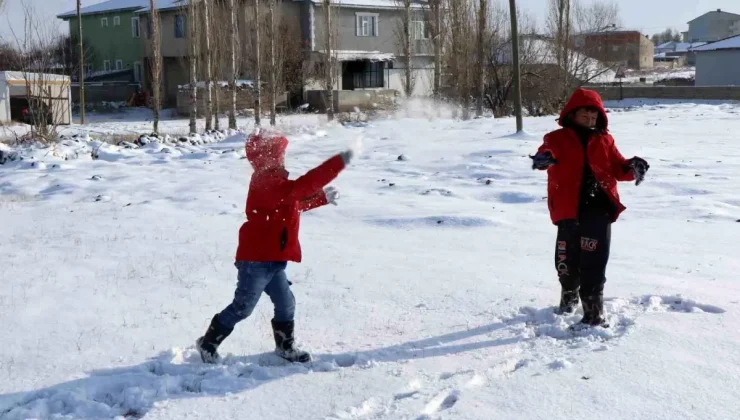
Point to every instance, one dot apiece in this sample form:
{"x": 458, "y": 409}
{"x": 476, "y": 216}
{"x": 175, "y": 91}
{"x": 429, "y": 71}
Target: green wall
{"x": 111, "y": 42}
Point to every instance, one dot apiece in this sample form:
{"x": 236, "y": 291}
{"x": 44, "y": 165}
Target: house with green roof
{"x": 112, "y": 37}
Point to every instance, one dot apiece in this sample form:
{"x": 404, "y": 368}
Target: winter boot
{"x": 284, "y": 343}
{"x": 208, "y": 344}
{"x": 593, "y": 312}
{"x": 568, "y": 302}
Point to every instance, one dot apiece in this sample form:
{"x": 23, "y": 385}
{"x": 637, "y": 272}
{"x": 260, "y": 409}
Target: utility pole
{"x": 516, "y": 71}
{"x": 82, "y": 64}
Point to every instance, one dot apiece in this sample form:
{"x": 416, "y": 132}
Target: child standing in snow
{"x": 269, "y": 239}
{"x": 583, "y": 166}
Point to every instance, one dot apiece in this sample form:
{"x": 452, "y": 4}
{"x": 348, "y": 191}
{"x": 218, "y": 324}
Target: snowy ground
{"x": 427, "y": 293}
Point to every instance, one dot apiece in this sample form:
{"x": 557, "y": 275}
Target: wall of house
{"x": 109, "y": 43}
{"x": 711, "y": 27}
{"x": 646, "y": 55}
{"x": 713, "y": 68}
{"x": 423, "y": 75}
{"x": 386, "y": 41}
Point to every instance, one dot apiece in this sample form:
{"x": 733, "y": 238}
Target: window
{"x": 179, "y": 26}
{"x": 89, "y": 68}
{"x": 135, "y": 32}
{"x": 104, "y": 22}
{"x": 367, "y": 24}
{"x": 419, "y": 30}
{"x": 371, "y": 78}
{"x": 116, "y": 21}
{"x": 119, "y": 64}
{"x": 138, "y": 71}
{"x": 106, "y": 65}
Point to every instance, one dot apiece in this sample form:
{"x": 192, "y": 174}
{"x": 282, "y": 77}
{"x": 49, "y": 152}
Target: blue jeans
{"x": 255, "y": 278}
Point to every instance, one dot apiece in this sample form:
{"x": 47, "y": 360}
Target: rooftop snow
{"x": 348, "y": 55}
{"x": 725, "y": 44}
{"x": 164, "y": 5}
{"x": 107, "y": 6}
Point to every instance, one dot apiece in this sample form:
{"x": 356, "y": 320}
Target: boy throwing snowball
{"x": 269, "y": 239}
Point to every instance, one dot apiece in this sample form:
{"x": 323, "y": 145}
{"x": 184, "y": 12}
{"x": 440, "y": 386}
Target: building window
{"x": 179, "y": 26}
{"x": 371, "y": 78}
{"x": 419, "y": 30}
{"x": 116, "y": 21}
{"x": 138, "y": 71}
{"x": 106, "y": 65}
{"x": 119, "y": 64}
{"x": 104, "y": 22}
{"x": 367, "y": 24}
{"x": 135, "y": 31}
{"x": 89, "y": 68}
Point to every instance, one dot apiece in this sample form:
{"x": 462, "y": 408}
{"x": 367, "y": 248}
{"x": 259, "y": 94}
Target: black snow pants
{"x": 582, "y": 252}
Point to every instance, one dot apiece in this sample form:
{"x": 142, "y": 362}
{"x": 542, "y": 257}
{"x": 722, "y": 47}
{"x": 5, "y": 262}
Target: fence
{"x": 614, "y": 93}
{"x": 244, "y": 100}
{"x": 96, "y": 92}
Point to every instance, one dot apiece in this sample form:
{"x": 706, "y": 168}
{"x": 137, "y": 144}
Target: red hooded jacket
{"x": 274, "y": 202}
{"x": 564, "y": 178}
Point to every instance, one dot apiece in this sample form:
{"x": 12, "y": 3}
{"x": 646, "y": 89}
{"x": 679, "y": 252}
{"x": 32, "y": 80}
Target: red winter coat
{"x": 564, "y": 177}
{"x": 274, "y": 202}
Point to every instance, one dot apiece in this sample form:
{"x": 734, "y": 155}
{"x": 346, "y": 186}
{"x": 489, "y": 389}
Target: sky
{"x": 648, "y": 16}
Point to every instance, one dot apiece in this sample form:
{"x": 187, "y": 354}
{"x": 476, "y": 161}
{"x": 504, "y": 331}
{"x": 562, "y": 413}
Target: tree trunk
{"x": 209, "y": 78}
{"x": 515, "y": 62}
{"x": 232, "y": 75}
{"x": 258, "y": 66}
{"x": 156, "y": 65}
{"x": 437, "y": 49}
{"x": 482, "y": 15}
{"x": 329, "y": 62}
{"x": 273, "y": 63}
{"x": 82, "y": 65}
{"x": 193, "y": 40}
{"x": 408, "y": 85}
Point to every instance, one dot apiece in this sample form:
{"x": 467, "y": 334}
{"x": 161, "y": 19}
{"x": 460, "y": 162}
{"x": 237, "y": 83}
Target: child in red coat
{"x": 269, "y": 239}
{"x": 583, "y": 167}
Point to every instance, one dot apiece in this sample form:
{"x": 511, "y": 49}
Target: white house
{"x": 717, "y": 63}
{"x": 712, "y": 26}
{"x": 17, "y": 87}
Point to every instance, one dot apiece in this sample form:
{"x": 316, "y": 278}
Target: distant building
{"x": 717, "y": 63}
{"x": 680, "y": 52}
{"x": 713, "y": 26}
{"x": 626, "y": 48}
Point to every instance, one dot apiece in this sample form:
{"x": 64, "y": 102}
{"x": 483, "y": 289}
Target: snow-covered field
{"x": 428, "y": 293}
{"x": 652, "y": 76}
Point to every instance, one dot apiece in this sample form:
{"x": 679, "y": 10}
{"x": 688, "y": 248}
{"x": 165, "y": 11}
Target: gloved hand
{"x": 542, "y": 160}
{"x": 332, "y": 195}
{"x": 638, "y": 167}
{"x": 347, "y": 156}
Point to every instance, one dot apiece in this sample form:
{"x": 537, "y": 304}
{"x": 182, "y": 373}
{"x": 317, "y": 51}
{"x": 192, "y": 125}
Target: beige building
{"x": 629, "y": 49}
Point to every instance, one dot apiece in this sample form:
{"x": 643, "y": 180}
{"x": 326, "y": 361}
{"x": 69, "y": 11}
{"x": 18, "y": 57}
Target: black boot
{"x": 568, "y": 302}
{"x": 208, "y": 344}
{"x": 593, "y": 312}
{"x": 285, "y": 342}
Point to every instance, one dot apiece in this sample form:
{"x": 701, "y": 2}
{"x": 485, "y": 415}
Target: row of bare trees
{"x": 472, "y": 48}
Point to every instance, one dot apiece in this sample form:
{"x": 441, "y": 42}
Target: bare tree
{"x": 193, "y": 61}
{"x": 82, "y": 61}
{"x": 206, "y": 39}
{"x": 258, "y": 64}
{"x": 481, "y": 56}
{"x": 436, "y": 29}
{"x": 329, "y": 62}
{"x": 404, "y": 39}
{"x": 274, "y": 65}
{"x": 460, "y": 58}
{"x": 232, "y": 76}
{"x": 156, "y": 64}
{"x": 47, "y": 94}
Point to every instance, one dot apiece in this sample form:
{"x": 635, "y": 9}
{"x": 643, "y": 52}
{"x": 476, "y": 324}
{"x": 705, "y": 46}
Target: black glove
{"x": 542, "y": 160}
{"x": 638, "y": 167}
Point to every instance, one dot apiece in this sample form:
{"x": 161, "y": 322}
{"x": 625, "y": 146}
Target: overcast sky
{"x": 648, "y": 16}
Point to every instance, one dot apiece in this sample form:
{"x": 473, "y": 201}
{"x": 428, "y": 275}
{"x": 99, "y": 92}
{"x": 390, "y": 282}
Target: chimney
{"x": 719, "y": 10}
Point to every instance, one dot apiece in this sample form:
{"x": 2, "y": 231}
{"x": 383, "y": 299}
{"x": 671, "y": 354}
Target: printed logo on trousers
{"x": 562, "y": 265}
{"x": 588, "y": 244}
